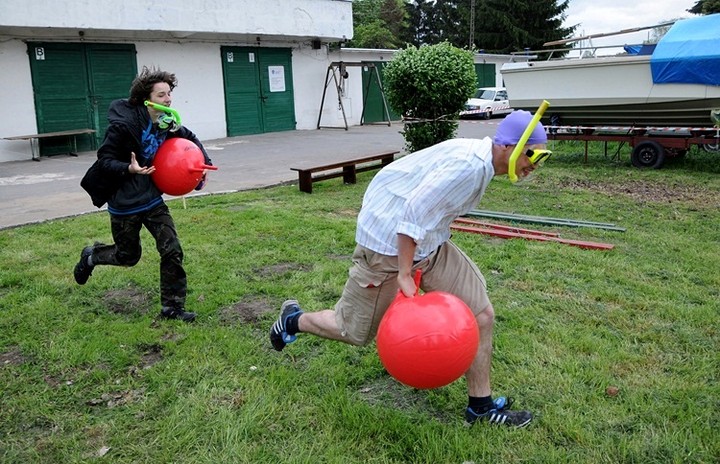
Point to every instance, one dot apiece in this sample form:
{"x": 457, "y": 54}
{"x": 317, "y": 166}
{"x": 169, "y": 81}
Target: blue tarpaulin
{"x": 642, "y": 49}
{"x": 689, "y": 53}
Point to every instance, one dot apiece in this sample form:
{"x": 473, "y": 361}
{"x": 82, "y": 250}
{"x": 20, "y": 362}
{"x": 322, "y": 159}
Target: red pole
{"x": 540, "y": 238}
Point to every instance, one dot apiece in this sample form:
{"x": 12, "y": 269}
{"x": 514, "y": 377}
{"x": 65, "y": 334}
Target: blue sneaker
{"x": 278, "y": 334}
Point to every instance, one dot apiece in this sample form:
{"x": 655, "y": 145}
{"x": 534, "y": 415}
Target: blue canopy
{"x": 689, "y": 53}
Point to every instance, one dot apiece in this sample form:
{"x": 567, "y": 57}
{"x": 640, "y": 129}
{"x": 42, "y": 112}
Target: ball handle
{"x": 401, "y": 295}
{"x": 203, "y": 167}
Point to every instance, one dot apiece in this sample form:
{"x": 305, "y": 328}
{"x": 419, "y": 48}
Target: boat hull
{"x": 608, "y": 91}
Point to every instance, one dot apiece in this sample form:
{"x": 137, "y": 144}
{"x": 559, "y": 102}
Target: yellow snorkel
{"x": 521, "y": 143}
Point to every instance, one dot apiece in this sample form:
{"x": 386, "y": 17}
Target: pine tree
{"x": 501, "y": 26}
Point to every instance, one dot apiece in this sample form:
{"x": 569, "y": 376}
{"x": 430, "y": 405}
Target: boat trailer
{"x": 650, "y": 145}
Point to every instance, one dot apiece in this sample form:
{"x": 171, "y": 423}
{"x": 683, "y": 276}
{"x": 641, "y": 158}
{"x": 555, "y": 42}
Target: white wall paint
{"x": 199, "y": 96}
{"x": 296, "y": 18}
{"x": 17, "y": 105}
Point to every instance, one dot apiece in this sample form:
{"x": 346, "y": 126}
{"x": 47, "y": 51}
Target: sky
{"x": 602, "y": 16}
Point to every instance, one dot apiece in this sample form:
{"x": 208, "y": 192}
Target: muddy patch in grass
{"x": 128, "y": 300}
{"x": 387, "y": 392}
{"x": 118, "y": 398}
{"x": 152, "y": 354}
{"x": 12, "y": 357}
{"x": 650, "y": 192}
{"x": 248, "y": 311}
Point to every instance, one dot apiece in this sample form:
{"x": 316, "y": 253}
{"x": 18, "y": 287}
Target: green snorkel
{"x": 170, "y": 120}
{"x": 519, "y": 148}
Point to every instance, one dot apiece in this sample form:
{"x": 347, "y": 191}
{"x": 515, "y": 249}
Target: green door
{"x": 73, "y": 85}
{"x": 112, "y": 68}
{"x": 485, "y": 74}
{"x": 277, "y": 89}
{"x": 259, "y": 94}
{"x": 374, "y": 110}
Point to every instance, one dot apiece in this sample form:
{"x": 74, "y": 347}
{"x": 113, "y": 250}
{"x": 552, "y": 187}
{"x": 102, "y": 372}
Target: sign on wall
{"x": 277, "y": 78}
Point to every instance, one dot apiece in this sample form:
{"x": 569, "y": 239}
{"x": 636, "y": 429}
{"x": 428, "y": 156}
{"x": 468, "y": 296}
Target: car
{"x": 487, "y": 102}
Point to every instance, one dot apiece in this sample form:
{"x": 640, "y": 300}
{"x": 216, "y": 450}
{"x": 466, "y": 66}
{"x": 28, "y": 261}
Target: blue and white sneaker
{"x": 278, "y": 334}
{"x": 500, "y": 417}
{"x": 500, "y": 414}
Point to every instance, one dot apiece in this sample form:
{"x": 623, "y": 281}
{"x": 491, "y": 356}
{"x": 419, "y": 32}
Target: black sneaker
{"x": 83, "y": 270}
{"x": 500, "y": 416}
{"x": 175, "y": 313}
{"x": 278, "y": 335}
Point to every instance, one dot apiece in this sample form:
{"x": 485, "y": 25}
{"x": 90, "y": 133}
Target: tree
{"x": 379, "y": 24}
{"x": 429, "y": 85}
{"x": 501, "y": 26}
{"x": 705, "y": 7}
{"x": 422, "y": 18}
{"x": 373, "y": 35}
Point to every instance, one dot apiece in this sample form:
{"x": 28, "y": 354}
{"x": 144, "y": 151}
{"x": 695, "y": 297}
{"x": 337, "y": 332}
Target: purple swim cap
{"x": 512, "y": 127}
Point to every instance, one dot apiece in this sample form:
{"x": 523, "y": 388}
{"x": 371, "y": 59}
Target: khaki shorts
{"x": 372, "y": 286}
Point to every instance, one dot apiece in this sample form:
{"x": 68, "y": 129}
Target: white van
{"x": 488, "y": 101}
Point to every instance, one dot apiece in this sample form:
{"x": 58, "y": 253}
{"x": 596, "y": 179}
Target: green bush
{"x": 429, "y": 87}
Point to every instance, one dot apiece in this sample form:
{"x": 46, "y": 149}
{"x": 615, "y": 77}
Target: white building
{"x": 243, "y": 67}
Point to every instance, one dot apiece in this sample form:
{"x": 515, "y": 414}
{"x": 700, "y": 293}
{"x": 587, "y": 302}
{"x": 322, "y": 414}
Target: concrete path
{"x": 32, "y": 191}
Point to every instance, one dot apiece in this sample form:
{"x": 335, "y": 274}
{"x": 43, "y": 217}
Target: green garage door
{"x": 485, "y": 74}
{"x": 73, "y": 85}
{"x": 258, "y": 90}
{"x": 374, "y": 110}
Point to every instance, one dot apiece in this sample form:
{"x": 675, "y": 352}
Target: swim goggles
{"x": 538, "y": 156}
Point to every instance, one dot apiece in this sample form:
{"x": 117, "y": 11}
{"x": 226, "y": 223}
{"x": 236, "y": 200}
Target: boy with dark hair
{"x": 121, "y": 177}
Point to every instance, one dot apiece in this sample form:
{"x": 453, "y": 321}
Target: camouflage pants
{"x": 127, "y": 250}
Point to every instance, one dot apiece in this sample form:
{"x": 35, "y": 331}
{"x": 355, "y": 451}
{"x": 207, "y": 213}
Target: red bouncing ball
{"x": 179, "y": 166}
{"x": 429, "y": 340}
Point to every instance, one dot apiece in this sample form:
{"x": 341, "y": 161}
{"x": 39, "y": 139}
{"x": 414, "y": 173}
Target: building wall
{"x": 199, "y": 96}
{"x": 325, "y": 19}
{"x": 17, "y": 112}
{"x": 183, "y": 36}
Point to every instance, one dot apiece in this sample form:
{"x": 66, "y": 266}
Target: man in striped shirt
{"x": 403, "y": 226}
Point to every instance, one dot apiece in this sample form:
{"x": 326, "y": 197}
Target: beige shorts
{"x": 372, "y": 285}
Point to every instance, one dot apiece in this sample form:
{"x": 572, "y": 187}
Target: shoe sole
{"x": 276, "y": 340}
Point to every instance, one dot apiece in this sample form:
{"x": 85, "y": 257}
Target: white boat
{"x": 628, "y": 90}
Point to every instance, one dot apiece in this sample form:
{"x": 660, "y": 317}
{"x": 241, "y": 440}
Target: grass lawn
{"x": 89, "y": 374}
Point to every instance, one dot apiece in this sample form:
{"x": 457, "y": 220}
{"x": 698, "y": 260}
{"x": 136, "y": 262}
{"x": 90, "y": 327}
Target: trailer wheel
{"x": 648, "y": 154}
{"x": 711, "y": 147}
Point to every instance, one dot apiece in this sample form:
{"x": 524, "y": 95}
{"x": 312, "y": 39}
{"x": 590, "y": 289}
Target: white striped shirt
{"x": 419, "y": 195}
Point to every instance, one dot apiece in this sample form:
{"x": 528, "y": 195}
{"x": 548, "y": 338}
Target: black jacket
{"x": 108, "y": 180}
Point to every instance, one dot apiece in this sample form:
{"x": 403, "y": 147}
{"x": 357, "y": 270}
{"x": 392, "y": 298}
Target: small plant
{"x": 429, "y": 86}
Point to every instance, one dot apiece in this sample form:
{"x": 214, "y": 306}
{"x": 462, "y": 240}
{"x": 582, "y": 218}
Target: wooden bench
{"x": 347, "y": 169}
{"x": 35, "y": 140}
